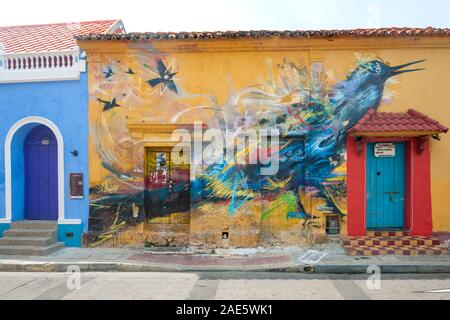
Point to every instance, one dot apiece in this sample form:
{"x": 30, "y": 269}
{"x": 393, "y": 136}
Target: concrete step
{"x": 35, "y": 224}
{"x": 30, "y": 250}
{"x": 30, "y": 233}
{"x": 26, "y": 241}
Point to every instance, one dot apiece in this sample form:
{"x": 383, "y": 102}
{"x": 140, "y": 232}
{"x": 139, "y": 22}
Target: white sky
{"x": 199, "y": 15}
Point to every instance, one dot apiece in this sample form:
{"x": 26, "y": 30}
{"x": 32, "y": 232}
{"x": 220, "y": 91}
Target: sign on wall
{"x": 384, "y": 150}
{"x": 76, "y": 186}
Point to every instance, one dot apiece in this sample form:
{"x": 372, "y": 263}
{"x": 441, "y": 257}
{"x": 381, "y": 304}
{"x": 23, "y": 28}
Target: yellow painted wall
{"x": 220, "y": 68}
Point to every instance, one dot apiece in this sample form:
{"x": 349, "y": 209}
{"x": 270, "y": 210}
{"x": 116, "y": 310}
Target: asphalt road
{"x": 219, "y": 285}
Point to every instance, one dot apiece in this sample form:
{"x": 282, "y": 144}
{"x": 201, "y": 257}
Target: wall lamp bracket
{"x": 436, "y": 137}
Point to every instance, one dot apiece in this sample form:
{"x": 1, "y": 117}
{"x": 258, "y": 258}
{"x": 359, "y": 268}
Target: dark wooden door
{"x": 167, "y": 184}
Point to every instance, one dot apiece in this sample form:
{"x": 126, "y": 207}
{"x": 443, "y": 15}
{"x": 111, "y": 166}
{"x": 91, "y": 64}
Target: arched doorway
{"x": 15, "y": 168}
{"x": 41, "y": 174}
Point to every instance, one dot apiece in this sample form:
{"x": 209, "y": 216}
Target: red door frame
{"x": 418, "y": 213}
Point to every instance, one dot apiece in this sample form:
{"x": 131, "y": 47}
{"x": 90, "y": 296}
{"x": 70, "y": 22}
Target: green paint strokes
{"x": 288, "y": 199}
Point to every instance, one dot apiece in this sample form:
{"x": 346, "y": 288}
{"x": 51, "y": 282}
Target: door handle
{"x": 391, "y": 195}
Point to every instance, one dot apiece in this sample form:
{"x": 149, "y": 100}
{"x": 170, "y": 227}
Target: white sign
{"x": 384, "y": 150}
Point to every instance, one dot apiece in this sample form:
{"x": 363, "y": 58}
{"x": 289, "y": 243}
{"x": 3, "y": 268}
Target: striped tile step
{"x": 390, "y": 241}
{"x": 395, "y": 250}
{"x": 388, "y": 233}
{"x": 382, "y": 245}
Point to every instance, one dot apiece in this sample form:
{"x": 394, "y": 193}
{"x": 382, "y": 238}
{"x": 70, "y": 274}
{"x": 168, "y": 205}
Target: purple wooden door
{"x": 41, "y": 174}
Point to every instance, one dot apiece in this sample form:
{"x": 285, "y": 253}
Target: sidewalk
{"x": 320, "y": 260}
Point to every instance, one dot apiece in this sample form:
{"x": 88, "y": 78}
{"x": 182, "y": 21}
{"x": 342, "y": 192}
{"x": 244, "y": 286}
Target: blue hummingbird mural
{"x": 321, "y": 146}
{"x": 349, "y": 102}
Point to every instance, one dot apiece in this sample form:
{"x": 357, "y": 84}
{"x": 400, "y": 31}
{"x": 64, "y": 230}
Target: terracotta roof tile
{"x": 51, "y": 37}
{"x": 412, "y": 120}
{"x": 381, "y": 32}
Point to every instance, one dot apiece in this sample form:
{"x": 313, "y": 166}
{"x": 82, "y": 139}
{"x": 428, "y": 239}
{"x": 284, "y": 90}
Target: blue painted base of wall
{"x": 70, "y": 234}
{"x": 4, "y": 227}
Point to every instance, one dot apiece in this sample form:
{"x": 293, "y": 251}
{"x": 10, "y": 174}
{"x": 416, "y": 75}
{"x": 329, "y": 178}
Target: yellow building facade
{"x": 310, "y": 90}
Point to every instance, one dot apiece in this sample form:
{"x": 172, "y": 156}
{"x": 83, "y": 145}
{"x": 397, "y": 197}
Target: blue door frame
{"x": 385, "y": 189}
{"x": 41, "y": 174}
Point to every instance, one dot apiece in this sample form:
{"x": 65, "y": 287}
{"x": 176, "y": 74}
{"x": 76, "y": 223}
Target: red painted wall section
{"x": 408, "y": 183}
{"x": 418, "y": 211}
{"x": 356, "y": 189}
{"x": 421, "y": 223}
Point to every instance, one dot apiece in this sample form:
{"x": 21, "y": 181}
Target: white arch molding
{"x": 8, "y": 183}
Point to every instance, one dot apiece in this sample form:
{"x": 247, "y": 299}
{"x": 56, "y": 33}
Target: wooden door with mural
{"x": 167, "y": 188}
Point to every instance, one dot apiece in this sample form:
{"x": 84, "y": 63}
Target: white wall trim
{"x": 41, "y": 66}
{"x": 8, "y": 182}
{"x": 69, "y": 221}
{"x": 2, "y": 221}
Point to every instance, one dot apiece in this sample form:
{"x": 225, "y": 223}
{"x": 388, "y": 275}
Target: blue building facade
{"x": 44, "y": 127}
{"x": 55, "y": 104}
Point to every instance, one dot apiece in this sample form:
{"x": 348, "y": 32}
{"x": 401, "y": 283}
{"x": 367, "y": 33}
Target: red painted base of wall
{"x": 418, "y": 213}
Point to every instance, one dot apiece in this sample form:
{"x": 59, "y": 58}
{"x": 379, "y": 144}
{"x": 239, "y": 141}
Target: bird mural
{"x": 312, "y": 117}
{"x": 165, "y": 78}
{"x": 362, "y": 90}
{"x": 108, "y": 73}
{"x": 315, "y": 144}
{"x": 108, "y": 105}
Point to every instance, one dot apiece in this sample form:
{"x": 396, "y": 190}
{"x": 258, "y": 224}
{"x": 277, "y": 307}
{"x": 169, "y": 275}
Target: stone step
{"x": 35, "y": 224}
{"x": 30, "y": 250}
{"x": 26, "y": 241}
{"x": 30, "y": 233}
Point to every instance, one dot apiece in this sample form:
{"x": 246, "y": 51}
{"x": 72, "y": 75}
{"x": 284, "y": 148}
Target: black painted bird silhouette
{"x": 107, "y": 105}
{"x": 108, "y": 73}
{"x": 165, "y": 78}
{"x": 129, "y": 71}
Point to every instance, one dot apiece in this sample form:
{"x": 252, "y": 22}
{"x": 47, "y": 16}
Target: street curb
{"x": 136, "y": 267}
{"x": 358, "y": 269}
